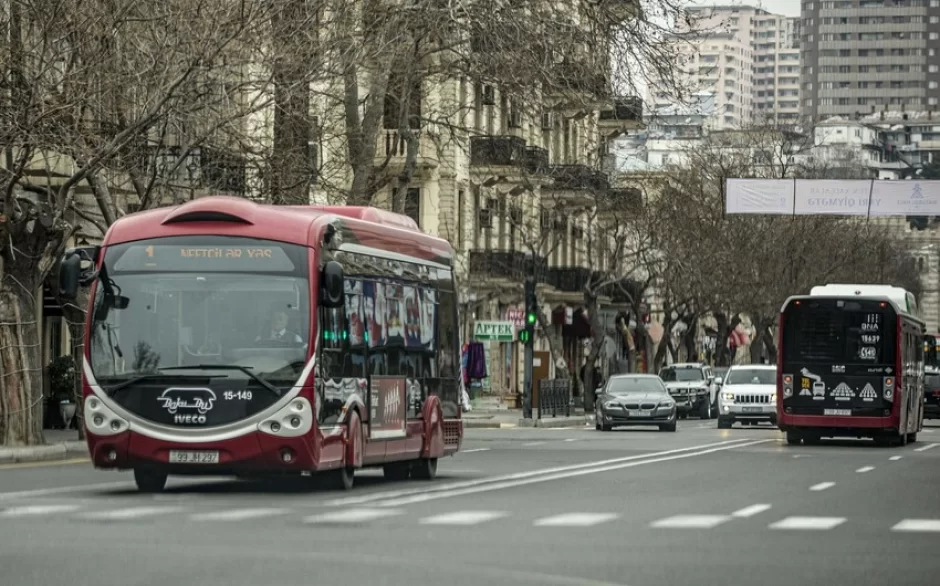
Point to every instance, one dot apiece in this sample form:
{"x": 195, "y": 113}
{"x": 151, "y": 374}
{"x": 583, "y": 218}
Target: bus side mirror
{"x": 332, "y": 292}
{"x": 70, "y": 273}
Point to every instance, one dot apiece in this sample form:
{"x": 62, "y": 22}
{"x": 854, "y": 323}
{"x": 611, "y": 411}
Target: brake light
{"x": 936, "y": 393}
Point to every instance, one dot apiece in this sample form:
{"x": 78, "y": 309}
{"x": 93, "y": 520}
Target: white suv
{"x": 748, "y": 395}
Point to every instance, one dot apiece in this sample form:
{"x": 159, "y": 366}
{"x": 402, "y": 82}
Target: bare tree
{"x": 89, "y": 91}
{"x": 748, "y": 265}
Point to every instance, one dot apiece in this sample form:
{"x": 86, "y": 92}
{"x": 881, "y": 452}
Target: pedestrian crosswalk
{"x": 459, "y": 518}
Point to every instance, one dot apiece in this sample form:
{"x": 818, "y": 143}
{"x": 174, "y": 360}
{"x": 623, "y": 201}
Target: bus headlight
{"x": 293, "y": 420}
{"x": 100, "y": 420}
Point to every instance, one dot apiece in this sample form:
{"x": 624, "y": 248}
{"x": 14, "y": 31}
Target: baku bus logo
{"x": 177, "y": 399}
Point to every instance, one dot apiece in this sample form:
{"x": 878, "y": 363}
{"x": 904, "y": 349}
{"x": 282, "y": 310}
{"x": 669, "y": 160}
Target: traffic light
{"x": 527, "y": 335}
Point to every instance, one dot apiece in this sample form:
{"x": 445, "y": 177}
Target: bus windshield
{"x": 227, "y": 312}
{"x": 839, "y": 332}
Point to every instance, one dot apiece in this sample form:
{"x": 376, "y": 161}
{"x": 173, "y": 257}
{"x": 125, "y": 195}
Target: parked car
{"x": 635, "y": 399}
{"x": 748, "y": 395}
{"x": 693, "y": 387}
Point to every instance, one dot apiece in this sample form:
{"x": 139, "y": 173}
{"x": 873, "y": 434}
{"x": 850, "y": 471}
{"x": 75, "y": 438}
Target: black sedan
{"x": 635, "y": 399}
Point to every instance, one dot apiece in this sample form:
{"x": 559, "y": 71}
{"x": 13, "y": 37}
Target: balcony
{"x": 536, "y": 160}
{"x": 504, "y": 264}
{"x": 626, "y": 114}
{"x": 624, "y": 199}
{"x": 497, "y": 151}
{"x": 582, "y": 77}
{"x": 578, "y": 178}
{"x": 569, "y": 279}
{"x": 394, "y": 149}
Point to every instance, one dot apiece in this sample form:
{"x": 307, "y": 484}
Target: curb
{"x": 60, "y": 451}
{"x": 555, "y": 422}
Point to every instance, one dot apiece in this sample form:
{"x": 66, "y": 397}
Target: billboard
{"x": 834, "y": 197}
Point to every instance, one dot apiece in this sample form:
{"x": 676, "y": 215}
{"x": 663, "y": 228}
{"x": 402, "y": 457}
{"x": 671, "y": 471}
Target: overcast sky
{"x": 785, "y": 7}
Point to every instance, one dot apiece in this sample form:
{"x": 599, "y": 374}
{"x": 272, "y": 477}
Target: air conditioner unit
{"x": 485, "y": 218}
{"x": 489, "y": 95}
{"x": 547, "y": 121}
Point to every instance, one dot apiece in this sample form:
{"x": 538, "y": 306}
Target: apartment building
{"x": 749, "y": 58}
{"x": 511, "y": 180}
{"x": 859, "y": 56}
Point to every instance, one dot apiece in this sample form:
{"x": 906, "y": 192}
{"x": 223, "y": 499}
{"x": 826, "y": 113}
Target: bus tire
{"x": 344, "y": 478}
{"x": 912, "y": 438}
{"x": 794, "y": 438}
{"x": 424, "y": 469}
{"x": 149, "y": 480}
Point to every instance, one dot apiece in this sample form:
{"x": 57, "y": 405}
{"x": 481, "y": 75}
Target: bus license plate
{"x": 837, "y": 412}
{"x": 179, "y": 457}
{"x": 639, "y": 413}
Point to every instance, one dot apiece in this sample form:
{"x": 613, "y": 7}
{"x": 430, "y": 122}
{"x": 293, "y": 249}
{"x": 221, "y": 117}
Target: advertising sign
{"x": 810, "y": 197}
{"x": 388, "y": 407}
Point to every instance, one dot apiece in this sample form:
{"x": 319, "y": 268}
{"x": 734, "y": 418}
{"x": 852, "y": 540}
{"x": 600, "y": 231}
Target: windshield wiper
{"x": 139, "y": 379}
{"x": 244, "y": 369}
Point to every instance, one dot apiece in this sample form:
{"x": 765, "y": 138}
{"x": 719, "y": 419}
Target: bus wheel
{"x": 912, "y": 438}
{"x": 424, "y": 469}
{"x": 148, "y": 480}
{"x": 344, "y": 478}
{"x": 793, "y": 438}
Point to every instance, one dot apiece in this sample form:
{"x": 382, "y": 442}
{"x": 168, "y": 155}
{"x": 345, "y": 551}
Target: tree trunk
{"x": 688, "y": 338}
{"x": 21, "y": 405}
{"x": 770, "y": 344}
{"x": 554, "y": 347}
{"x": 74, "y": 313}
{"x": 757, "y": 345}
{"x": 291, "y": 170}
{"x": 597, "y": 341}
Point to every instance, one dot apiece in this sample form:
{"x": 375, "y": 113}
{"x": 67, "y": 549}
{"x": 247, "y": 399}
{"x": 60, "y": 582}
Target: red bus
{"x": 226, "y": 337}
{"x": 850, "y": 366}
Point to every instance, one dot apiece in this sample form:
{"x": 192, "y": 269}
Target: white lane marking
{"x": 808, "y": 523}
{"x": 571, "y": 439}
{"x": 691, "y": 521}
{"x": 927, "y": 447}
{"x": 352, "y": 516}
{"x": 459, "y": 470}
{"x": 463, "y": 518}
{"x": 918, "y": 525}
{"x": 129, "y": 513}
{"x": 533, "y": 443}
{"x": 36, "y": 510}
{"x": 575, "y": 520}
{"x": 822, "y": 486}
{"x": 864, "y": 469}
{"x": 104, "y": 486}
{"x": 428, "y": 496}
{"x": 238, "y": 514}
{"x": 895, "y": 458}
{"x": 474, "y": 450}
{"x": 750, "y": 511}
{"x": 357, "y": 500}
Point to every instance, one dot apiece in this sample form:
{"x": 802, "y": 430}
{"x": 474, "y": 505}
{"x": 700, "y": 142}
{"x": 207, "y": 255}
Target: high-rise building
{"x": 749, "y": 58}
{"x": 859, "y": 56}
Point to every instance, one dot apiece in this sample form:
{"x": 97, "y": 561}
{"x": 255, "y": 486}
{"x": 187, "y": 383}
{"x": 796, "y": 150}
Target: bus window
{"x": 828, "y": 334}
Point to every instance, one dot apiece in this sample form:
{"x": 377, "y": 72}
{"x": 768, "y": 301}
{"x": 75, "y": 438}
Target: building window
{"x": 413, "y": 204}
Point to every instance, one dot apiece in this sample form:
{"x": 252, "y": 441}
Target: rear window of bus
{"x": 826, "y": 333}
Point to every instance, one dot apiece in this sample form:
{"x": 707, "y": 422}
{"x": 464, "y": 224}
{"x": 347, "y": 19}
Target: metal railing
{"x": 554, "y": 397}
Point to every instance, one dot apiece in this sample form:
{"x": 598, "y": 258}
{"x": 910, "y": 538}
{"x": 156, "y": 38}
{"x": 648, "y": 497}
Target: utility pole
{"x": 527, "y": 337}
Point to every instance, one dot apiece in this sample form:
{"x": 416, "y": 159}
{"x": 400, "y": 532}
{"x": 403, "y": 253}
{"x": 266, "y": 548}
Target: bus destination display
{"x": 182, "y": 258}
{"x": 869, "y": 335}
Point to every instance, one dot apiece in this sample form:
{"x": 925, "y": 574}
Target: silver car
{"x": 748, "y": 395}
{"x": 635, "y": 399}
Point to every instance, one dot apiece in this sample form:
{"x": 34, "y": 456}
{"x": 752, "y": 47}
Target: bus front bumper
{"x": 252, "y": 452}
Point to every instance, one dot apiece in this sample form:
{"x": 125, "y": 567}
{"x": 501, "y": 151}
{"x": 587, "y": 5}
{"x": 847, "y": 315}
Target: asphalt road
{"x": 518, "y": 506}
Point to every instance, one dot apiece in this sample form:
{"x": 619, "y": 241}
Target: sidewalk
{"x": 60, "y": 444}
{"x": 510, "y": 418}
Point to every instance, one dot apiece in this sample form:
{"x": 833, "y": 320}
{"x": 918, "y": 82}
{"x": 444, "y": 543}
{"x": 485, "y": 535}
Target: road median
{"x": 45, "y": 453}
